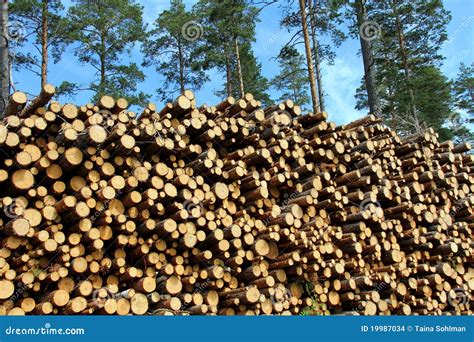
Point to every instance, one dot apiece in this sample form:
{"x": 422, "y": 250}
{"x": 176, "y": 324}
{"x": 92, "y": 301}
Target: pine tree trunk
{"x": 406, "y": 67}
{"x": 309, "y": 57}
{"x": 228, "y": 74}
{"x": 102, "y": 64}
{"x": 317, "y": 61}
{"x": 239, "y": 68}
{"x": 368, "y": 59}
{"x": 295, "y": 92}
{"x": 319, "y": 78}
{"x": 4, "y": 58}
{"x": 44, "y": 44}
{"x": 393, "y": 115}
{"x": 181, "y": 68}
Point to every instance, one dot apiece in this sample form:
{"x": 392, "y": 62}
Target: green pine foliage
{"x": 413, "y": 93}
{"x": 433, "y": 99}
{"x": 462, "y": 122}
{"x": 103, "y": 32}
{"x": 224, "y": 23}
{"x": 27, "y": 16}
{"x": 254, "y": 82}
{"x": 291, "y": 82}
{"x": 463, "y": 89}
{"x": 327, "y": 16}
{"x": 171, "y": 48}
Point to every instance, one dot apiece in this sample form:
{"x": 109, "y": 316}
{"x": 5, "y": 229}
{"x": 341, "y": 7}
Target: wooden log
{"x": 41, "y": 100}
{"x": 16, "y": 103}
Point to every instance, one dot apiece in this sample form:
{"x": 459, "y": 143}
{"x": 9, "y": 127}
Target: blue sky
{"x": 340, "y": 80}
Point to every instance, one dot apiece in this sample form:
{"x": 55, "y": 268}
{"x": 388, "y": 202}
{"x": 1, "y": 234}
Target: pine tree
{"x": 292, "y": 79}
{"x": 251, "y": 71}
{"x": 171, "y": 48}
{"x": 367, "y": 57}
{"x": 314, "y": 15}
{"x": 309, "y": 57}
{"x": 44, "y": 30}
{"x": 405, "y": 53}
{"x": 463, "y": 89}
{"x": 362, "y": 28}
{"x": 104, "y": 31}
{"x": 428, "y": 84}
{"x": 228, "y": 26}
{"x": 323, "y": 19}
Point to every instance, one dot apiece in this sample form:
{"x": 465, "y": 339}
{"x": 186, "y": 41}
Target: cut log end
{"x": 6, "y": 289}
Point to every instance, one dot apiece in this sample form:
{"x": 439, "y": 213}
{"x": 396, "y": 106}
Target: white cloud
{"x": 340, "y": 82}
{"x": 152, "y": 8}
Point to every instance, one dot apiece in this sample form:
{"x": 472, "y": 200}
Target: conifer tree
{"x": 404, "y": 58}
{"x": 171, "y": 48}
{"x": 104, "y": 32}
{"x": 44, "y": 31}
{"x": 292, "y": 82}
{"x": 229, "y": 29}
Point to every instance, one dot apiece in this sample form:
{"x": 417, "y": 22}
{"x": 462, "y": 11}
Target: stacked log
{"x": 229, "y": 209}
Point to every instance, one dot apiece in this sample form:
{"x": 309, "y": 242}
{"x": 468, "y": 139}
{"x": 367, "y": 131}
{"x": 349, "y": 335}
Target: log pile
{"x": 229, "y": 209}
